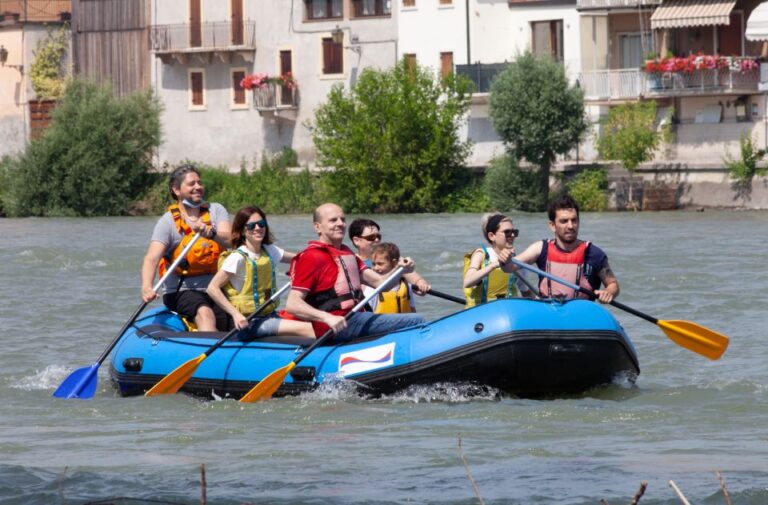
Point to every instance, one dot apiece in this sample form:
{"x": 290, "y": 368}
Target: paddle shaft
{"x": 446, "y": 296}
{"x": 143, "y": 305}
{"x": 258, "y": 311}
{"x": 381, "y": 287}
{"x": 586, "y": 291}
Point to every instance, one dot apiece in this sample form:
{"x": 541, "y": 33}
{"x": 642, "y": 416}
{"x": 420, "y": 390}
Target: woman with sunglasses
{"x": 484, "y": 278}
{"x": 246, "y": 278}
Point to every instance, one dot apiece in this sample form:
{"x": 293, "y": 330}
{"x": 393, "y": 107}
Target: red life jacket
{"x": 568, "y": 265}
{"x": 346, "y": 291}
{"x": 203, "y": 258}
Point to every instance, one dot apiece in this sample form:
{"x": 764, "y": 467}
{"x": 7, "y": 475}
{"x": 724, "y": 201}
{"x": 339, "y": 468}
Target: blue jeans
{"x": 362, "y": 324}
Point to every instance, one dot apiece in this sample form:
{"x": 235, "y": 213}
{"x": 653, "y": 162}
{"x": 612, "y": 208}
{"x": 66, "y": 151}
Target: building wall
{"x": 429, "y": 28}
{"x": 13, "y": 95}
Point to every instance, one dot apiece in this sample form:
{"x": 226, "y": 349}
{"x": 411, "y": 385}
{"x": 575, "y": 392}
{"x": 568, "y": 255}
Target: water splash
{"x": 49, "y": 378}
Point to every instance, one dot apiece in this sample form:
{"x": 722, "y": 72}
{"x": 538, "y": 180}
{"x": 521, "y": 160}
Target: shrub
{"x": 47, "y": 72}
{"x": 393, "y": 140}
{"x": 93, "y": 160}
{"x": 590, "y": 189}
{"x": 742, "y": 170}
{"x": 510, "y": 187}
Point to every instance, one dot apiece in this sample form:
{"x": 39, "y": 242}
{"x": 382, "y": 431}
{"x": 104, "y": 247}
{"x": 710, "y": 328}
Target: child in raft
{"x": 246, "y": 278}
{"x": 399, "y": 298}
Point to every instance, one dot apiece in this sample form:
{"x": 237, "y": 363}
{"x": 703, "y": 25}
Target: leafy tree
{"x": 510, "y": 187}
{"x": 630, "y": 135}
{"x": 537, "y": 113}
{"x": 47, "y": 73}
{"x": 93, "y": 159}
{"x": 393, "y": 140}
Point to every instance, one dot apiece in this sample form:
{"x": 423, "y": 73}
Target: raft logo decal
{"x": 367, "y": 359}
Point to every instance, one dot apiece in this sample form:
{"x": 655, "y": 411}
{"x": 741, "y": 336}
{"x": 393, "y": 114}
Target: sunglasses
{"x": 514, "y": 232}
{"x": 372, "y": 237}
{"x": 261, "y": 223}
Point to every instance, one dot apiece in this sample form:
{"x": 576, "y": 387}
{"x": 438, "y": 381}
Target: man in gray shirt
{"x": 184, "y": 289}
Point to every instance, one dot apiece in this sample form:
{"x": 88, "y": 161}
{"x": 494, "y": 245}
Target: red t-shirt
{"x": 315, "y": 271}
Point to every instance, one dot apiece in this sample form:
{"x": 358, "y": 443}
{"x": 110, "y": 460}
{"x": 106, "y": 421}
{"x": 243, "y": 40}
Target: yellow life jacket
{"x": 259, "y": 273}
{"x": 395, "y": 302}
{"x": 202, "y": 258}
{"x": 497, "y": 284}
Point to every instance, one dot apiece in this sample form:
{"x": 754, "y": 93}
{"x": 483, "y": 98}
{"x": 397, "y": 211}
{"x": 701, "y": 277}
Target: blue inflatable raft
{"x": 521, "y": 347}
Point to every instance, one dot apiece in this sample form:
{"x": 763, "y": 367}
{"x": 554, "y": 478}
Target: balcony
{"x": 272, "y": 98}
{"x": 629, "y": 84}
{"x": 481, "y": 74}
{"x": 223, "y": 39}
{"x": 614, "y": 4}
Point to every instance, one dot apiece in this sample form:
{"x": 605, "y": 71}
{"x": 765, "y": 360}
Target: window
{"x": 630, "y": 50}
{"x": 446, "y": 64}
{"x": 548, "y": 39}
{"x": 324, "y": 9}
{"x": 333, "y": 62}
{"x": 409, "y": 3}
{"x": 446, "y": 2}
{"x": 239, "y": 97}
{"x": 362, "y": 8}
{"x": 196, "y": 89}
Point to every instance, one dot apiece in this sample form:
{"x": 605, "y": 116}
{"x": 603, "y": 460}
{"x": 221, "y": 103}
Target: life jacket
{"x": 568, "y": 265}
{"x": 259, "y": 273}
{"x": 395, "y": 302}
{"x": 202, "y": 258}
{"x": 497, "y": 284}
{"x": 346, "y": 291}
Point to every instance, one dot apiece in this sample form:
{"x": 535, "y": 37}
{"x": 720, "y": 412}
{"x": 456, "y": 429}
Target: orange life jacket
{"x": 203, "y": 258}
{"x": 568, "y": 265}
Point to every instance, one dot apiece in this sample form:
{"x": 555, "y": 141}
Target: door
{"x": 286, "y": 67}
{"x": 195, "y": 26}
{"x": 237, "y": 22}
{"x": 731, "y": 37}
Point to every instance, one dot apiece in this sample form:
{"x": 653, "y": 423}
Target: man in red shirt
{"x": 326, "y": 282}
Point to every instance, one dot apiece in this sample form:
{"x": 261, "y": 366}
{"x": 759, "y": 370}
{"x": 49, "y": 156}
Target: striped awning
{"x": 757, "y": 24}
{"x": 683, "y": 13}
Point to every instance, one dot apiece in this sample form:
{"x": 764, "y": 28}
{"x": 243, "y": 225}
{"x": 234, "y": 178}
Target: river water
{"x": 70, "y": 284}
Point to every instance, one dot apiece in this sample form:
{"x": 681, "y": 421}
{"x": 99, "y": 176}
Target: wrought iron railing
{"x": 631, "y": 83}
{"x": 272, "y": 96}
{"x": 481, "y": 74}
{"x": 607, "y": 4}
{"x": 217, "y": 35}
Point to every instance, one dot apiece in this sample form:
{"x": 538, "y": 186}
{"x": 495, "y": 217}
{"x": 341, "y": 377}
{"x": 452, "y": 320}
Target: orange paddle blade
{"x": 696, "y": 338}
{"x": 172, "y": 382}
{"x": 268, "y": 385}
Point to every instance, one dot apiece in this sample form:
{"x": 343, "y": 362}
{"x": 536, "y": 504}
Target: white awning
{"x": 757, "y": 24}
{"x": 684, "y": 13}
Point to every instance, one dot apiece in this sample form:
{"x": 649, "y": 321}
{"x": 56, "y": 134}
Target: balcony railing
{"x": 631, "y": 83}
{"x": 272, "y": 97}
{"x": 481, "y": 74}
{"x": 608, "y": 4}
{"x": 203, "y": 36}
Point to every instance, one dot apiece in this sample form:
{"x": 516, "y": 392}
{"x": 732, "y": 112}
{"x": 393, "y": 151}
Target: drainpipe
{"x": 469, "y": 58}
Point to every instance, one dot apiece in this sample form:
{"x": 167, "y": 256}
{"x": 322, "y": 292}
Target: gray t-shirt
{"x": 165, "y": 232}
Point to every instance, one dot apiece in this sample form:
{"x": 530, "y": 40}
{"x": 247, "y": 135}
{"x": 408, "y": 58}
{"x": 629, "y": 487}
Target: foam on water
{"x": 49, "y": 378}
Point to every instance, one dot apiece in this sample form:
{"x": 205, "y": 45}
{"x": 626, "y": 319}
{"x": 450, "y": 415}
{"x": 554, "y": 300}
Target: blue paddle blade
{"x": 80, "y": 384}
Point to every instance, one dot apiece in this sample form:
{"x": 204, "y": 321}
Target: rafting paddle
{"x": 269, "y": 384}
{"x": 82, "y": 382}
{"x": 172, "y": 382}
{"x": 446, "y": 296}
{"x": 691, "y": 336}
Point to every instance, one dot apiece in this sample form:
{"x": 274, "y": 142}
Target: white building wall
{"x": 429, "y": 28}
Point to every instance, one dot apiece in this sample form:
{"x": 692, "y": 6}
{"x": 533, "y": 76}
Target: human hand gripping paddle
{"x": 82, "y": 382}
{"x": 269, "y": 384}
{"x": 172, "y": 382}
{"x": 692, "y": 336}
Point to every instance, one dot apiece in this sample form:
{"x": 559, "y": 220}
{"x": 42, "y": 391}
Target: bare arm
{"x": 611, "y": 285}
{"x": 476, "y": 271}
{"x": 287, "y": 257}
{"x": 216, "y": 293}
{"x": 297, "y": 305}
{"x": 419, "y": 283}
{"x": 528, "y": 256}
{"x": 152, "y": 258}
{"x": 371, "y": 278}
